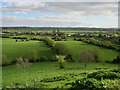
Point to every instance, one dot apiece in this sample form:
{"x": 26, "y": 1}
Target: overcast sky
{"x": 62, "y": 14}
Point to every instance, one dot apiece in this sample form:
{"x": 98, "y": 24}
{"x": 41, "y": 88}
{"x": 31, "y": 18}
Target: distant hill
{"x": 64, "y": 28}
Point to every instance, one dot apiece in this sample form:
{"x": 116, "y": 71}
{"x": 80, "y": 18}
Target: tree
{"x": 92, "y": 40}
{"x": 58, "y": 31}
{"x": 5, "y": 60}
{"x": 16, "y": 40}
{"x": 97, "y": 54}
{"x": 85, "y": 57}
{"x": 32, "y": 55}
{"x": 61, "y": 61}
{"x": 62, "y": 49}
{"x": 22, "y": 62}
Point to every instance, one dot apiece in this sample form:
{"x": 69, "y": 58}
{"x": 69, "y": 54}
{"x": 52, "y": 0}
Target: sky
{"x": 59, "y": 14}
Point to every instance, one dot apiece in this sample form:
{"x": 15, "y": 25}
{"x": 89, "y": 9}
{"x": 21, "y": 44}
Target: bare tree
{"x": 22, "y": 62}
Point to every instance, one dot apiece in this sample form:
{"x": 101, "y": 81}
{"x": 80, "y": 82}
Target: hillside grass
{"x": 78, "y": 46}
{"x": 13, "y": 75}
{"x": 13, "y": 49}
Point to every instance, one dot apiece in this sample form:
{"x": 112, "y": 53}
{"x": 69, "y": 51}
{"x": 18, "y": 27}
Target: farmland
{"x": 44, "y": 71}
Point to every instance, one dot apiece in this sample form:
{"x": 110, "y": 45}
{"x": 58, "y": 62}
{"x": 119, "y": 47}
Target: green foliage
{"x": 107, "y": 44}
{"x": 49, "y": 42}
{"x": 46, "y": 71}
{"x": 5, "y": 60}
{"x": 87, "y": 83}
{"x": 86, "y": 57}
{"x": 92, "y": 40}
{"x": 97, "y": 54}
{"x": 32, "y": 55}
{"x": 104, "y": 75}
{"x": 62, "y": 49}
{"x": 117, "y": 60}
{"x": 61, "y": 61}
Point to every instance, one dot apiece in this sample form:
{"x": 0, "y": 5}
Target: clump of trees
{"x": 103, "y": 43}
{"x": 49, "y": 42}
{"x": 63, "y": 49}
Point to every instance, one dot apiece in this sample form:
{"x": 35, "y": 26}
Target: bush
{"x": 117, "y": 60}
{"x": 87, "y": 83}
{"x": 49, "y": 42}
{"x": 62, "y": 49}
{"x": 43, "y": 59}
{"x": 92, "y": 40}
{"x": 104, "y": 75}
{"x": 108, "y": 44}
{"x": 32, "y": 55}
{"x": 53, "y": 58}
{"x": 5, "y": 60}
{"x": 69, "y": 58}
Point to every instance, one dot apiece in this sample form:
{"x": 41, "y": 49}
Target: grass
{"x": 78, "y": 46}
{"x": 31, "y": 36}
{"x": 13, "y": 75}
{"x": 16, "y": 49}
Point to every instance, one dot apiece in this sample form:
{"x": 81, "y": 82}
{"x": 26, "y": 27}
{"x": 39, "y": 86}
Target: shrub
{"x": 61, "y": 61}
{"x": 43, "y": 59}
{"x": 92, "y": 40}
{"x": 69, "y": 58}
{"x": 107, "y": 44}
{"x": 87, "y": 83}
{"x": 62, "y": 49}
{"x": 117, "y": 60}
{"x": 32, "y": 55}
{"x": 5, "y": 60}
{"x": 49, "y": 42}
{"x": 53, "y": 58}
{"x": 104, "y": 75}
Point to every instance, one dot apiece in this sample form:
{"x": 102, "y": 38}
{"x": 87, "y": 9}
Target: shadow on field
{"x": 83, "y": 44}
{"x": 73, "y": 68}
{"x": 100, "y": 68}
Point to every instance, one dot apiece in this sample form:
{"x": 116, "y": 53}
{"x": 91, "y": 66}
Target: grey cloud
{"x": 91, "y": 8}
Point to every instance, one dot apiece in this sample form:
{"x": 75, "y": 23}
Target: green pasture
{"x": 78, "y": 46}
{"x": 13, "y": 49}
{"x": 30, "y": 36}
{"x": 14, "y": 76}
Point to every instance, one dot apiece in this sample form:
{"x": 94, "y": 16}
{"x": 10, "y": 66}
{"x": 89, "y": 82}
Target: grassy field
{"x": 16, "y": 49}
{"x": 78, "y": 46}
{"x": 37, "y": 73}
{"x": 13, "y": 76}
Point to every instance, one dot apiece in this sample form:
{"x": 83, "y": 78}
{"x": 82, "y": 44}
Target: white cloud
{"x": 64, "y": 13}
{"x": 43, "y": 21}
